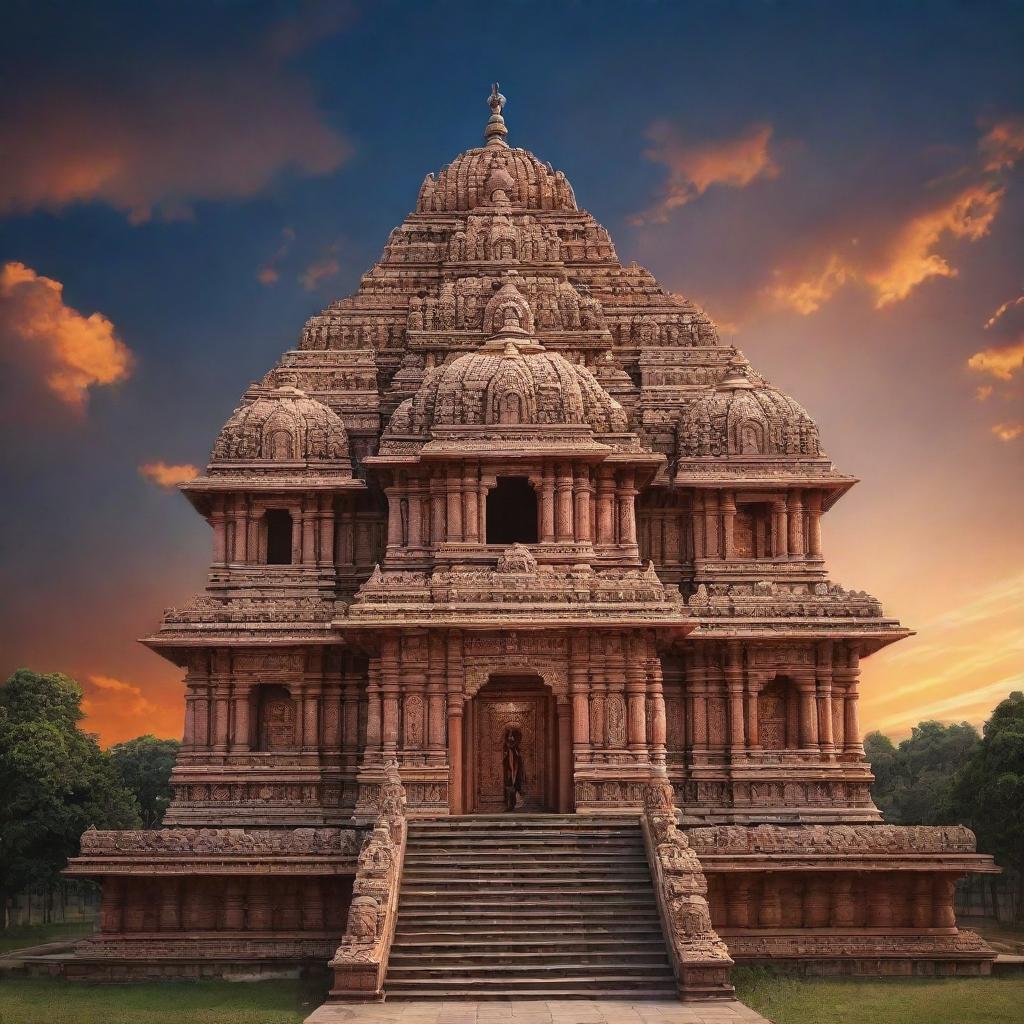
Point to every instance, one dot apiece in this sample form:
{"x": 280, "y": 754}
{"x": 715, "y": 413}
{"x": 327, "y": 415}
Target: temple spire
{"x": 496, "y": 131}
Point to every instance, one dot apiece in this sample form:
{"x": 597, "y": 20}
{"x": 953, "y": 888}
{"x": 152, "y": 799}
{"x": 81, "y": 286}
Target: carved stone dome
{"x": 283, "y": 425}
{"x": 745, "y": 416}
{"x": 510, "y": 380}
{"x": 496, "y": 175}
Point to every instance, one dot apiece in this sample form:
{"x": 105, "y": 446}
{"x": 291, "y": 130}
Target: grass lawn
{"x": 23, "y": 936}
{"x": 46, "y": 1001}
{"x": 998, "y": 1000}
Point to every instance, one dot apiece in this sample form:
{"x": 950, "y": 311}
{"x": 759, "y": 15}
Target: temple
{"x": 519, "y": 669}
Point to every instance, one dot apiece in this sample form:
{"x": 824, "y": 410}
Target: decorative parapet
{"x": 831, "y": 839}
{"x": 767, "y": 599}
{"x": 700, "y": 959}
{"x": 304, "y": 851}
{"x": 361, "y": 961}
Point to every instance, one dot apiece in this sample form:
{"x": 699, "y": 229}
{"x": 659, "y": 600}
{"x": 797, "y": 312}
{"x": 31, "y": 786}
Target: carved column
{"x": 739, "y": 900}
{"x": 547, "y": 506}
{"x": 312, "y": 904}
{"x": 582, "y": 505}
{"x": 389, "y": 695}
{"x": 437, "y": 507}
{"x": 636, "y": 692}
{"x": 816, "y": 901}
{"x": 753, "y": 687}
{"x": 697, "y": 524}
{"x": 578, "y": 667}
{"x": 309, "y": 531}
{"x": 851, "y": 725}
{"x": 394, "y": 496}
{"x": 844, "y": 906}
{"x": 350, "y": 712}
{"x": 435, "y": 699}
{"x": 234, "y": 904}
{"x": 659, "y": 728}
{"x": 880, "y": 901}
{"x": 734, "y": 689}
{"x": 454, "y": 498}
{"x": 240, "y": 516}
{"x": 374, "y": 731}
{"x": 780, "y": 548}
{"x": 814, "y": 524}
{"x": 219, "y": 521}
{"x": 456, "y": 698}
{"x": 711, "y": 544}
{"x": 260, "y": 906}
{"x": 808, "y": 713}
{"x": 563, "y": 503}
{"x": 311, "y": 716}
{"x": 944, "y": 893}
{"x": 796, "y": 524}
{"x": 221, "y": 708}
{"x": 823, "y": 671}
{"x": 729, "y": 523}
{"x": 922, "y": 902}
{"x": 326, "y": 523}
{"x": 112, "y": 904}
{"x": 470, "y": 504}
{"x": 627, "y": 509}
{"x": 241, "y": 734}
{"x": 696, "y": 685}
{"x": 605, "y": 506}
{"x": 415, "y": 493}
{"x": 563, "y": 711}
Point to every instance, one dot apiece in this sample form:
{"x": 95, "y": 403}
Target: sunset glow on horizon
{"x": 842, "y": 191}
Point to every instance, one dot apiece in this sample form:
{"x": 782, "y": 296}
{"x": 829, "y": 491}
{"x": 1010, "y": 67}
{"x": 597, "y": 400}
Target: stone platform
{"x": 538, "y": 1011}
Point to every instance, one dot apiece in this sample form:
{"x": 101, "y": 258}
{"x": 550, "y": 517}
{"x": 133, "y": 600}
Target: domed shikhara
{"x": 745, "y": 417}
{"x": 279, "y": 429}
{"x": 496, "y": 175}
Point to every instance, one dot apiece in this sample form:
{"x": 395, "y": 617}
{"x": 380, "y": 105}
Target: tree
{"x": 990, "y": 790}
{"x": 145, "y": 764}
{"x": 915, "y": 782}
{"x": 55, "y": 781}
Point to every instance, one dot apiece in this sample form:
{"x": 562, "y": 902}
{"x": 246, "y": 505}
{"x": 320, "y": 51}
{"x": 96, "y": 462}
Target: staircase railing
{"x": 700, "y": 959}
{"x": 360, "y": 963}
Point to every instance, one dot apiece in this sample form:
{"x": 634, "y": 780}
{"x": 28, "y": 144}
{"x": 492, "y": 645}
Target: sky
{"x": 840, "y": 185}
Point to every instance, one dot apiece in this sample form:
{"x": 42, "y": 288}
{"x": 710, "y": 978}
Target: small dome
{"x": 745, "y": 416}
{"x": 284, "y": 425}
{"x": 496, "y": 175}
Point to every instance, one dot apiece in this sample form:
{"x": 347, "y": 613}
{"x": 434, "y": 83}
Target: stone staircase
{"x": 527, "y": 906}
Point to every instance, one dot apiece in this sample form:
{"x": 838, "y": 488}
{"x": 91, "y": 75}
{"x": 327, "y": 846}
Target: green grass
{"x": 52, "y": 1001}
{"x": 785, "y": 1000}
{"x": 23, "y": 936}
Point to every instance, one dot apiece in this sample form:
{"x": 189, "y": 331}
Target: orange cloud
{"x": 1008, "y": 431}
{"x": 118, "y": 710}
{"x": 1001, "y": 362}
{"x": 75, "y": 352}
{"x": 809, "y": 294}
{"x": 164, "y": 475}
{"x": 912, "y": 258}
{"x": 268, "y": 275}
{"x": 1002, "y": 311}
{"x": 694, "y": 167}
{"x": 984, "y": 392}
{"x": 1003, "y": 144}
{"x": 170, "y": 136}
{"x": 319, "y": 271}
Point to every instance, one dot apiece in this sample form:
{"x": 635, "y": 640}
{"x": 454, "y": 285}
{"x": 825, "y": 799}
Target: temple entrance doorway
{"x": 511, "y": 747}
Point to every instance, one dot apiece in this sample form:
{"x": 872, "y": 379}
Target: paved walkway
{"x": 537, "y": 1011}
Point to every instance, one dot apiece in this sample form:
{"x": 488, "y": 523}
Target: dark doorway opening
{"x": 512, "y": 512}
{"x": 279, "y": 536}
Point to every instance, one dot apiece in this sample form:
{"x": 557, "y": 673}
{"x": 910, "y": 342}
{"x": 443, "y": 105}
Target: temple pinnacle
{"x": 496, "y": 131}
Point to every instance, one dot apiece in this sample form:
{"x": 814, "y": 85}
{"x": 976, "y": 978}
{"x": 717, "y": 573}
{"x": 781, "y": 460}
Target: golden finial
{"x": 496, "y": 131}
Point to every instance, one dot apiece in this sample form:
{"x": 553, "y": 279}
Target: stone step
{"x": 585, "y": 992}
{"x": 500, "y": 942}
{"x": 525, "y": 875}
{"x": 490, "y": 901}
{"x": 431, "y": 960}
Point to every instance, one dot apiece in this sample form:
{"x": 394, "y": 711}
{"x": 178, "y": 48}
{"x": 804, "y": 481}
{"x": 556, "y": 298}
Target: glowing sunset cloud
{"x": 165, "y": 475}
{"x": 76, "y": 352}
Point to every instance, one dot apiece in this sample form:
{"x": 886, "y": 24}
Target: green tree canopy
{"x": 55, "y": 781}
{"x": 915, "y": 782}
{"x": 145, "y": 764}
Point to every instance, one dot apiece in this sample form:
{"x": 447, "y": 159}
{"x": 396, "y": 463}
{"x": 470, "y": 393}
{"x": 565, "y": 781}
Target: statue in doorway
{"x": 512, "y": 765}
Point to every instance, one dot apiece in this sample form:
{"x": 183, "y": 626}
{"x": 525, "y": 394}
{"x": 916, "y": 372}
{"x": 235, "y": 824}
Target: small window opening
{"x": 279, "y": 536}
{"x": 512, "y": 512}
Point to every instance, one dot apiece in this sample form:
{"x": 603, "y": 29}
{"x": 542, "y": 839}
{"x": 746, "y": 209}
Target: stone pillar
{"x": 734, "y": 689}
{"x": 394, "y": 496}
{"x": 470, "y": 506}
{"x": 326, "y": 520}
{"x": 739, "y": 900}
{"x": 219, "y": 521}
{"x": 729, "y": 523}
{"x": 309, "y": 531}
{"x": 636, "y": 695}
{"x": 435, "y": 699}
{"x": 374, "y": 730}
{"x": 696, "y": 685}
{"x": 879, "y": 901}
{"x": 563, "y": 503}
{"x": 454, "y": 499}
{"x": 582, "y": 506}
{"x": 311, "y": 716}
{"x": 814, "y": 524}
{"x": 844, "y": 907}
{"x": 437, "y": 507}
{"x": 780, "y": 547}
{"x": 851, "y": 719}
{"x": 241, "y": 734}
{"x": 796, "y": 524}
{"x": 922, "y": 902}
{"x": 240, "y": 515}
{"x": 260, "y": 906}
{"x": 823, "y": 671}
{"x": 770, "y": 905}
{"x": 350, "y": 713}
{"x": 456, "y": 699}
{"x": 221, "y": 709}
{"x": 547, "y": 506}
{"x": 389, "y": 691}
{"x": 816, "y": 901}
{"x": 112, "y": 904}
{"x": 627, "y": 509}
{"x": 605, "y": 506}
{"x": 711, "y": 546}
{"x": 753, "y": 687}
{"x": 808, "y": 713}
{"x": 659, "y": 727}
{"x": 312, "y": 904}
{"x": 944, "y": 892}
{"x": 415, "y": 506}
{"x": 578, "y": 672}
{"x": 697, "y": 524}
{"x": 563, "y": 711}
